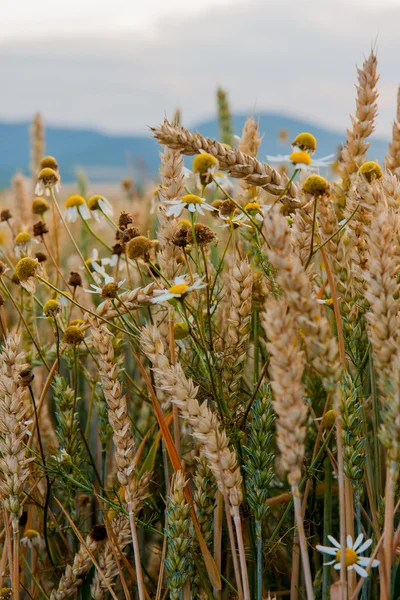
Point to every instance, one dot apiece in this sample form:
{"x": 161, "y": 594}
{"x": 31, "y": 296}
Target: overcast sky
{"x": 120, "y": 65}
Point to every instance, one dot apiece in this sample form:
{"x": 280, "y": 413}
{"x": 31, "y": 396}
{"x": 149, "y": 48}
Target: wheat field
{"x": 199, "y": 379}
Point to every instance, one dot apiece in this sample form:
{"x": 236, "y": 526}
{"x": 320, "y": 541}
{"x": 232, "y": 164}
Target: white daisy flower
{"x": 98, "y": 205}
{"x": 76, "y": 206}
{"x": 257, "y": 211}
{"x": 47, "y": 179}
{"x": 190, "y": 201}
{"x": 23, "y": 244}
{"x": 302, "y": 160}
{"x": 110, "y": 287}
{"x": 179, "y": 289}
{"x": 32, "y": 538}
{"x": 237, "y": 220}
{"x": 352, "y": 551}
{"x": 204, "y": 166}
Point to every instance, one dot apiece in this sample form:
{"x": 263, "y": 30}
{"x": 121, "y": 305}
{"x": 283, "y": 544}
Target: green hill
{"x": 104, "y": 157}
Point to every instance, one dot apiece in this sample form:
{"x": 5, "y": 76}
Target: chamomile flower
{"x": 76, "y": 206}
{"x": 235, "y": 220}
{"x": 204, "y": 166}
{"x": 257, "y": 211}
{"x": 98, "y": 205}
{"x": 32, "y": 538}
{"x": 352, "y": 551}
{"x": 110, "y": 287}
{"x": 302, "y": 160}
{"x": 47, "y": 179}
{"x": 23, "y": 244}
{"x": 179, "y": 289}
{"x": 190, "y": 201}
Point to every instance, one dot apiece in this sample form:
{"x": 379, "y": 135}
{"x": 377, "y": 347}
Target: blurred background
{"x": 101, "y": 72}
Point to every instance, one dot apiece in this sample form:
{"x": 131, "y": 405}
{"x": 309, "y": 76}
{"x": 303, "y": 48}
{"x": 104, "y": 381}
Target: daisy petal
{"x": 327, "y": 550}
{"x": 349, "y": 541}
{"x": 364, "y": 562}
{"x": 333, "y": 541}
{"x": 358, "y": 541}
{"x": 362, "y": 572}
{"x": 364, "y": 547}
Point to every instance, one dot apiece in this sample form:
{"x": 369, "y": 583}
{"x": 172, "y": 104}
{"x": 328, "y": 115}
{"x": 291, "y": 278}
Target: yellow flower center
{"x": 93, "y": 202}
{"x": 351, "y": 557}
{"x": 305, "y": 141}
{"x": 371, "y": 170}
{"x": 191, "y": 199}
{"x": 202, "y": 162}
{"x": 31, "y": 534}
{"x": 23, "y": 238}
{"x": 179, "y": 288}
{"x": 74, "y": 201}
{"x": 316, "y": 185}
{"x": 252, "y": 206}
{"x": 300, "y": 158}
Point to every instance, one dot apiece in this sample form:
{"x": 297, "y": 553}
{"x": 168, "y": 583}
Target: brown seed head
{"x": 40, "y": 229}
{"x": 41, "y": 256}
{"x": 139, "y": 247}
{"x": 124, "y": 220}
{"x": 25, "y": 268}
{"x": 75, "y": 280}
{"x": 3, "y": 268}
{"x": 51, "y": 308}
{"x": 204, "y": 235}
{"x": 73, "y": 335}
{"x": 49, "y": 162}
{"x": 98, "y": 533}
{"x": 26, "y": 377}
{"x": 110, "y": 290}
{"x": 40, "y": 206}
{"x": 227, "y": 208}
{"x": 5, "y": 215}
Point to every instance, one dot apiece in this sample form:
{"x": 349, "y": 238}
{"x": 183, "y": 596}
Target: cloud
{"x": 268, "y": 55}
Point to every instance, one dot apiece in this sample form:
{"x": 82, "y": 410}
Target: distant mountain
{"x": 105, "y": 157}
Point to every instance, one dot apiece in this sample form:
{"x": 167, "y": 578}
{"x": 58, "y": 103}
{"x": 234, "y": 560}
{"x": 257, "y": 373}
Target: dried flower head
{"x": 5, "y": 593}
{"x": 49, "y": 162}
{"x": 125, "y": 235}
{"x": 227, "y": 208}
{"x": 41, "y": 257}
{"x": 305, "y": 141}
{"x": 5, "y": 215}
{"x": 40, "y": 229}
{"x": 316, "y": 185}
{"x": 124, "y": 220}
{"x": 51, "y": 308}
{"x": 139, "y": 247}
{"x": 73, "y": 335}
{"x": 75, "y": 280}
{"x": 40, "y": 206}
{"x": 110, "y": 290}
{"x": 26, "y": 268}
{"x": 203, "y": 234}
{"x": 371, "y": 170}
{"x": 27, "y": 377}
{"x": 98, "y": 533}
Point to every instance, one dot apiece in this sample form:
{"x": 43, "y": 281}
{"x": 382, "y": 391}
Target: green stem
{"x": 67, "y": 229}
{"x": 326, "y": 576}
{"x": 312, "y": 233}
{"x": 96, "y": 237}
